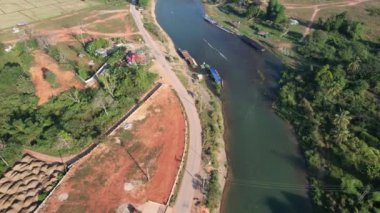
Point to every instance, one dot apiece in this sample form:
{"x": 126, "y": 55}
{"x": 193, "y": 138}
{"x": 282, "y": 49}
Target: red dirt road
{"x": 99, "y": 183}
{"x": 65, "y": 79}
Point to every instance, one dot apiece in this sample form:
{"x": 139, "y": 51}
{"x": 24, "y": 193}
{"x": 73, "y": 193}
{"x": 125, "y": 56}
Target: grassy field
{"x": 359, "y": 12}
{"x": 13, "y": 12}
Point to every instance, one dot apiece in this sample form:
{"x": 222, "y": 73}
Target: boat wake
{"x": 212, "y": 47}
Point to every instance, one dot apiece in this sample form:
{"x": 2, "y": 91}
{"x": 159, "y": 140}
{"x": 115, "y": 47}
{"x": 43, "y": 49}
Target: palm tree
{"x": 341, "y": 123}
{"x": 354, "y": 66}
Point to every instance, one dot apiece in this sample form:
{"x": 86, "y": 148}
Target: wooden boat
{"x": 190, "y": 60}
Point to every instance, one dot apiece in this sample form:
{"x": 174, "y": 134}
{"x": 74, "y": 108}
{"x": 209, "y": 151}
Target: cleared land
{"x": 72, "y": 30}
{"x": 310, "y": 11}
{"x": 13, "y": 12}
{"x": 133, "y": 166}
{"x": 21, "y": 186}
{"x": 44, "y": 90}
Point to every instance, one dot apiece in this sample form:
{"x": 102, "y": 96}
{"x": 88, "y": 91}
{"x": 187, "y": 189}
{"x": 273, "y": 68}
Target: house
{"x": 135, "y": 57}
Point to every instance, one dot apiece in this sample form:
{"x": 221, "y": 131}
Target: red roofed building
{"x": 134, "y": 58}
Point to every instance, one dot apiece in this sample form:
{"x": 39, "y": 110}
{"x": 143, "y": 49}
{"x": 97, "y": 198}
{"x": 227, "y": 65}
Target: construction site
{"x": 134, "y": 168}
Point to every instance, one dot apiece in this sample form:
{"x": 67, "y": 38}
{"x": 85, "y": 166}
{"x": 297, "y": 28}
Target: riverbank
{"x": 204, "y": 99}
{"x": 278, "y": 44}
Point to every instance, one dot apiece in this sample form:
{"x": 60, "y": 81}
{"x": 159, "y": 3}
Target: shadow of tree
{"x": 295, "y": 203}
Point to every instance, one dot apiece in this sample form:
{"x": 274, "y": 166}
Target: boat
{"x": 190, "y": 60}
{"x": 214, "y": 73}
{"x": 209, "y": 19}
{"x": 252, "y": 43}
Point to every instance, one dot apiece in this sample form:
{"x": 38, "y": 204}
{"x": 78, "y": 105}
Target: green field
{"x": 359, "y": 12}
{"x": 13, "y": 12}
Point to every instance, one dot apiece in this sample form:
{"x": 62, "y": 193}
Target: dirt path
{"x": 66, "y": 34}
{"x": 318, "y": 7}
{"x": 311, "y": 21}
{"x": 48, "y": 158}
{"x": 325, "y": 5}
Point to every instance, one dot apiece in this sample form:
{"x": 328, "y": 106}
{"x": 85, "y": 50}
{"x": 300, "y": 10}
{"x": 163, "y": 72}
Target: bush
{"x": 143, "y": 3}
{"x": 42, "y": 196}
{"x": 53, "y": 52}
{"x": 213, "y": 191}
{"x": 50, "y": 77}
{"x": 83, "y": 73}
{"x": 95, "y": 44}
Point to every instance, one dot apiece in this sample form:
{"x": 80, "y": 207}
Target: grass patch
{"x": 125, "y": 135}
{"x": 111, "y": 26}
{"x": 50, "y": 77}
{"x": 131, "y": 22}
{"x": 82, "y": 172}
{"x": 212, "y": 125}
{"x": 182, "y": 77}
{"x": 131, "y": 171}
{"x": 42, "y": 196}
{"x": 154, "y": 30}
{"x": 71, "y": 208}
{"x": 135, "y": 147}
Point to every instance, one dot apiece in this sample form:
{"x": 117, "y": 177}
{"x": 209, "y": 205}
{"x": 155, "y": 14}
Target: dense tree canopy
{"x": 340, "y": 23}
{"x": 333, "y": 101}
{"x": 276, "y": 11}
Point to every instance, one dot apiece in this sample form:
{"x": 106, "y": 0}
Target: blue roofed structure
{"x": 215, "y": 75}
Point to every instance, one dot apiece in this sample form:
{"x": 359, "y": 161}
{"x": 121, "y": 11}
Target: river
{"x": 266, "y": 171}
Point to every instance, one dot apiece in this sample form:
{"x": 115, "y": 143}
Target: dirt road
{"x": 318, "y": 7}
{"x": 193, "y": 164}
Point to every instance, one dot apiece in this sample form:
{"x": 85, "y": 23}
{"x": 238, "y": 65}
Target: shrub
{"x": 50, "y": 77}
{"x": 95, "y": 44}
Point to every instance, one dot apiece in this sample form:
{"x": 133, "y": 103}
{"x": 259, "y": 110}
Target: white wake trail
{"x": 212, "y": 47}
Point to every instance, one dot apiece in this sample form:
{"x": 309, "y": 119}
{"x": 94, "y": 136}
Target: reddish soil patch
{"x": 65, "y": 79}
{"x": 110, "y": 176}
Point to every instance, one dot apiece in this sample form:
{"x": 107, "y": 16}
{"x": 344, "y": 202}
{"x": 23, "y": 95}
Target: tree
{"x": 276, "y": 12}
{"x": 109, "y": 82}
{"x": 341, "y": 123}
{"x": 351, "y": 185}
{"x": 253, "y": 11}
{"x": 24, "y": 85}
{"x": 102, "y": 100}
{"x": 288, "y": 95}
{"x": 74, "y": 95}
{"x": 354, "y": 66}
{"x": 340, "y": 23}
{"x": 95, "y": 44}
